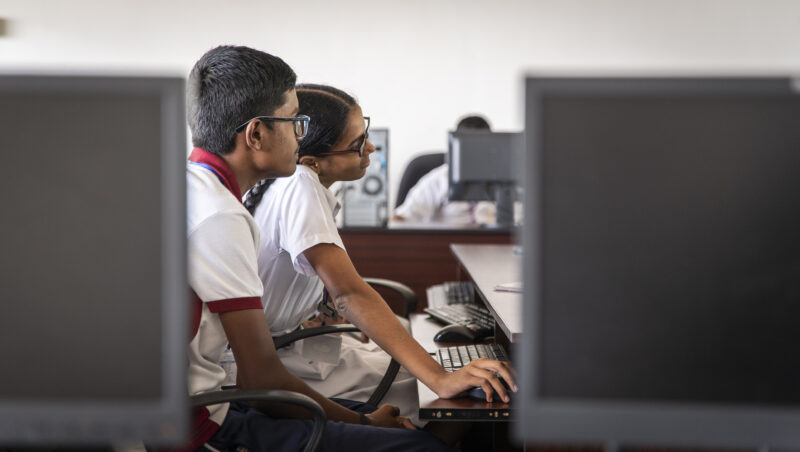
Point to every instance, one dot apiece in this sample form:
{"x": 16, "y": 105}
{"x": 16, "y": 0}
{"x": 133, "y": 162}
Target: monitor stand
{"x": 504, "y": 202}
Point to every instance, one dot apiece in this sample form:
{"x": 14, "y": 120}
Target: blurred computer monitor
{"x": 662, "y": 263}
{"x": 482, "y": 166}
{"x": 93, "y": 282}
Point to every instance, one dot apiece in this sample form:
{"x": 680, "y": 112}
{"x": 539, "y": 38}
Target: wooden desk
{"x": 418, "y": 256}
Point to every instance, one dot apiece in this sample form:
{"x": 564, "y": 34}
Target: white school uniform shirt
{"x": 295, "y": 214}
{"x": 223, "y": 276}
{"x": 427, "y": 201}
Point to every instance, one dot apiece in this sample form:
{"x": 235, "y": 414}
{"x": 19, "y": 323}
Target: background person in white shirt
{"x": 301, "y": 251}
{"x": 427, "y": 201}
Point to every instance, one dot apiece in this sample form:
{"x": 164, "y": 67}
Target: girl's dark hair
{"x": 328, "y": 108}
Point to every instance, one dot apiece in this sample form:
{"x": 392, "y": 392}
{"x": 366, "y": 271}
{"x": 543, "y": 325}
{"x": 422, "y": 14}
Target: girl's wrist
{"x": 440, "y": 380}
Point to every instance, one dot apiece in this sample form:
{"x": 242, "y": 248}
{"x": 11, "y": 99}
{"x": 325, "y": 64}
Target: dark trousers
{"x": 255, "y": 431}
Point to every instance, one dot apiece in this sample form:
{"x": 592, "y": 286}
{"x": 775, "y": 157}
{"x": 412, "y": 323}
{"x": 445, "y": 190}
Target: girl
{"x": 302, "y": 257}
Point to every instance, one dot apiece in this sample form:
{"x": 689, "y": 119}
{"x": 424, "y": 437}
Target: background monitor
{"x": 93, "y": 287}
{"x": 482, "y": 166}
{"x": 662, "y": 262}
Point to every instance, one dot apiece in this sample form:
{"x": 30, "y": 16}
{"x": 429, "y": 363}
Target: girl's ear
{"x": 309, "y": 161}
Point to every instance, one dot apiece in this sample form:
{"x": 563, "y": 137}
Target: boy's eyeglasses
{"x": 361, "y": 147}
{"x": 301, "y": 123}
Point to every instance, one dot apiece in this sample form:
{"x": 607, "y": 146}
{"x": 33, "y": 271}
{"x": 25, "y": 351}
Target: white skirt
{"x": 355, "y": 374}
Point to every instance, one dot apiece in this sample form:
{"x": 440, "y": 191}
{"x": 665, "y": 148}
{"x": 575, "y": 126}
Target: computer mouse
{"x": 478, "y": 393}
{"x": 454, "y": 333}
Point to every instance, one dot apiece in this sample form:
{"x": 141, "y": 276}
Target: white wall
{"x": 415, "y": 65}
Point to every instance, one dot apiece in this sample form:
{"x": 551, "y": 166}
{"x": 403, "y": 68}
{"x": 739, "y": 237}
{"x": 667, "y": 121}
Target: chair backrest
{"x": 417, "y": 167}
{"x": 277, "y": 396}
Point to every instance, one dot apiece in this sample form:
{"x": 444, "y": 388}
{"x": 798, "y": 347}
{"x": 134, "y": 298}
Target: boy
{"x": 242, "y": 110}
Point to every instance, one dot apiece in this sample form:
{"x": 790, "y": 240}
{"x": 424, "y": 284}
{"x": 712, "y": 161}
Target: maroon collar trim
{"x": 220, "y": 166}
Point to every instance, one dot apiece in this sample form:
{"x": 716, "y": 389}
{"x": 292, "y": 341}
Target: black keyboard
{"x": 454, "y": 358}
{"x": 451, "y": 292}
{"x": 473, "y": 316}
{"x": 459, "y": 292}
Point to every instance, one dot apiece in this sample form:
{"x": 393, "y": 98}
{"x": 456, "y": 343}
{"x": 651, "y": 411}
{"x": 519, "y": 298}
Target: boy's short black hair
{"x": 228, "y": 86}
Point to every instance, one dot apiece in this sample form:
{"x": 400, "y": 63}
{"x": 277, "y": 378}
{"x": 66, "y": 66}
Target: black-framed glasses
{"x": 360, "y": 148}
{"x": 301, "y": 123}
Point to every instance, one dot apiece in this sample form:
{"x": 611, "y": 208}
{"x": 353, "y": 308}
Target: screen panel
{"x": 479, "y": 160}
{"x": 662, "y": 260}
{"x": 94, "y": 284}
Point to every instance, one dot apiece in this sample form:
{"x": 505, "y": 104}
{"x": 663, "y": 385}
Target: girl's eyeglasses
{"x": 360, "y": 148}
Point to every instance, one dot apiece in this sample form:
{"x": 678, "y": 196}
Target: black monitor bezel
{"x": 617, "y": 423}
{"x": 164, "y": 421}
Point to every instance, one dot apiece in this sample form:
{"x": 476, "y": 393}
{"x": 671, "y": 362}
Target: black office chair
{"x": 410, "y": 305}
{"x": 234, "y": 394}
{"x": 416, "y": 168}
{"x": 246, "y": 395}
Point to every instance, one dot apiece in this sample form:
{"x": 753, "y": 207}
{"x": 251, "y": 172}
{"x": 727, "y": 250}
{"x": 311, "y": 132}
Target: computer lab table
{"x": 487, "y": 266}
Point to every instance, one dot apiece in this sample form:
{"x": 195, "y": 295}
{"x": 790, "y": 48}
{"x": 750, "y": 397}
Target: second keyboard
{"x": 475, "y": 317}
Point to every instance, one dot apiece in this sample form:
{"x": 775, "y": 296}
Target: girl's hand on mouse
{"x": 483, "y": 372}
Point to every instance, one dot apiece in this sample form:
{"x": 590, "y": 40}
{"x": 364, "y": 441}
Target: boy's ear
{"x": 253, "y": 134}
